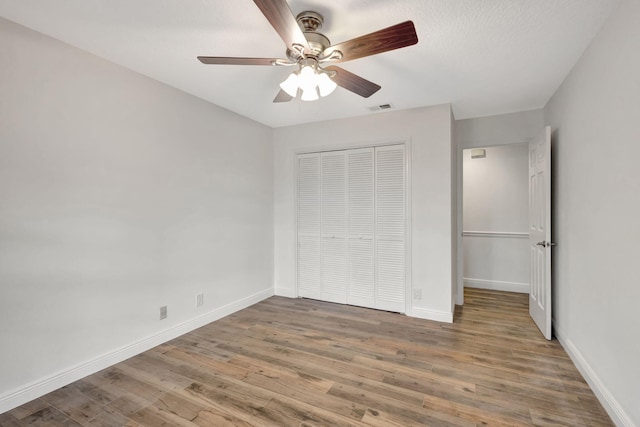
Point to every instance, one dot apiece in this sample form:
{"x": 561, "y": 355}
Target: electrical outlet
{"x": 417, "y": 294}
{"x": 163, "y": 312}
{"x": 199, "y": 300}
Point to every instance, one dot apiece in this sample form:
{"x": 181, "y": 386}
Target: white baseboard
{"x": 286, "y": 292}
{"x": 497, "y": 285}
{"x": 428, "y": 314}
{"x": 610, "y": 404}
{"x": 48, "y": 384}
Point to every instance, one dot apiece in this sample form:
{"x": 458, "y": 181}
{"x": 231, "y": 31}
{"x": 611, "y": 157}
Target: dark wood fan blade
{"x": 226, "y": 60}
{"x": 282, "y": 20}
{"x": 282, "y": 96}
{"x": 352, "y": 82}
{"x": 395, "y": 37}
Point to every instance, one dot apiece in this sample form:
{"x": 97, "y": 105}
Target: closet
{"x": 351, "y": 219}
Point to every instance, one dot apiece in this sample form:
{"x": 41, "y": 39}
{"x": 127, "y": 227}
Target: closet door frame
{"x": 408, "y": 192}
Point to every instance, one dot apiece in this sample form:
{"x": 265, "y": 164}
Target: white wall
{"x": 595, "y": 119}
{"x": 118, "y": 195}
{"x": 495, "y": 202}
{"x": 498, "y": 130}
{"x": 429, "y": 133}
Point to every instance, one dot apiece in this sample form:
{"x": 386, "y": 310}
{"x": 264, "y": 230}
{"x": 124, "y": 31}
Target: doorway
{"x": 494, "y": 235}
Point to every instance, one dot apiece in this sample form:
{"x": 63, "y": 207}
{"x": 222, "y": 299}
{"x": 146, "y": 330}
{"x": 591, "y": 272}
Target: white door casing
{"x": 540, "y": 231}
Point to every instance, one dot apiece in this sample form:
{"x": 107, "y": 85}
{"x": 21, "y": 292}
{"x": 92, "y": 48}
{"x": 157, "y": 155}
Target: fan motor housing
{"x": 310, "y": 22}
{"x": 317, "y": 42}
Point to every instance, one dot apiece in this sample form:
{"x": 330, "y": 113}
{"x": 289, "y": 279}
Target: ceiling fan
{"x": 314, "y": 55}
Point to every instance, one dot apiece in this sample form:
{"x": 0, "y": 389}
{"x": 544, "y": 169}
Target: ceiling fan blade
{"x": 282, "y": 96}
{"x": 395, "y": 37}
{"x": 282, "y": 20}
{"x": 226, "y": 60}
{"x": 352, "y": 82}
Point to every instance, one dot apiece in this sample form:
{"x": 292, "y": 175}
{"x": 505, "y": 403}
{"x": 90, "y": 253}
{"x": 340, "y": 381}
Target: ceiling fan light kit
{"x": 311, "y": 80}
{"x": 309, "y": 49}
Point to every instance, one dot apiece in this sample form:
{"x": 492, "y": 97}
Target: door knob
{"x": 545, "y": 244}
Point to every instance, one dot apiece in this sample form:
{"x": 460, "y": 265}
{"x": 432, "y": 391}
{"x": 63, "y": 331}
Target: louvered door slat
{"x": 309, "y": 194}
{"x": 390, "y": 288}
{"x": 309, "y": 284}
{"x": 390, "y": 192}
{"x": 361, "y": 194}
{"x": 361, "y": 273}
{"x": 334, "y": 215}
{"x": 334, "y": 270}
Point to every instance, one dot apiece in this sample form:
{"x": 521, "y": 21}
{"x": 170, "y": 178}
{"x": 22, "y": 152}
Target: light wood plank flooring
{"x": 286, "y": 362}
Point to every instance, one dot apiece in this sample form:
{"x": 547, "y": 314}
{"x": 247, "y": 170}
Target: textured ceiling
{"x": 484, "y": 57}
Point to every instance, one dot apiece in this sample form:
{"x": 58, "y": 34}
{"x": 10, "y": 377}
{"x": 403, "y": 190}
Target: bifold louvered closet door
{"x": 351, "y": 226}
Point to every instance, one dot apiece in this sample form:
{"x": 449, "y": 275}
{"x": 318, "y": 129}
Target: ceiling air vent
{"x": 381, "y": 107}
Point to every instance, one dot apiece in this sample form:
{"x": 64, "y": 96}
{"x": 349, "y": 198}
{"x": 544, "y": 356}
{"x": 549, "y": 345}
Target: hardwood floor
{"x": 286, "y": 362}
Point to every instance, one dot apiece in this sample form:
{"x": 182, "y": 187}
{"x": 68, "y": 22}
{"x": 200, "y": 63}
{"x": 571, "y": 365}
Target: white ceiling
{"x": 484, "y": 57}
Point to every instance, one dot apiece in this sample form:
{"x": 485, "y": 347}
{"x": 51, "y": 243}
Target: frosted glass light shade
{"x": 309, "y": 94}
{"x": 290, "y": 85}
{"x": 313, "y": 81}
{"x": 308, "y": 78}
{"x": 325, "y": 84}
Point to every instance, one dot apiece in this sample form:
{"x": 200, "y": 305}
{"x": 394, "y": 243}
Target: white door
{"x": 361, "y": 228}
{"x": 390, "y": 223}
{"x": 334, "y": 226}
{"x": 309, "y": 239}
{"x": 351, "y": 227}
{"x": 540, "y": 231}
